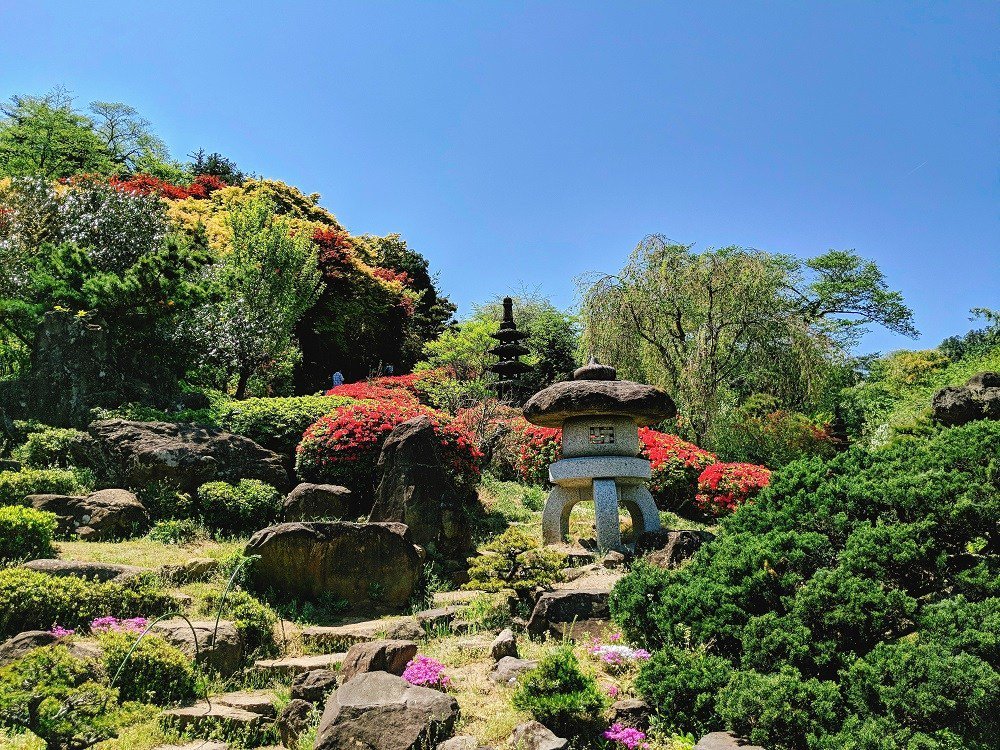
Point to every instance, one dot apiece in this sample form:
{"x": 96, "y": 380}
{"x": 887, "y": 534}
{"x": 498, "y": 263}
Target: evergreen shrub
{"x": 245, "y": 507}
{"x": 156, "y": 672}
{"x": 849, "y": 599}
{"x": 25, "y": 534}
{"x": 16, "y": 485}
{"x": 560, "y": 695}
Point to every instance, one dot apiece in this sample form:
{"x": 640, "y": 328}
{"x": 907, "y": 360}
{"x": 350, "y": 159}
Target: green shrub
{"x": 16, "y": 485}
{"x": 53, "y": 694}
{"x": 50, "y": 447}
{"x": 25, "y": 534}
{"x": 156, "y": 672}
{"x": 277, "y": 423}
{"x": 687, "y": 682}
{"x": 246, "y": 506}
{"x": 37, "y": 601}
{"x": 514, "y": 561}
{"x": 255, "y": 621}
{"x": 833, "y": 563}
{"x": 560, "y": 695}
{"x": 182, "y": 531}
{"x": 780, "y": 709}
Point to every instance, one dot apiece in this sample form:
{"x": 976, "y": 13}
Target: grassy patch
{"x": 148, "y": 553}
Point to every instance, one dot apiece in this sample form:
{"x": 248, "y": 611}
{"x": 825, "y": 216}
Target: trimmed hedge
{"x": 26, "y": 534}
{"x": 16, "y": 485}
{"x": 37, "y": 601}
{"x": 277, "y": 423}
{"x": 247, "y": 506}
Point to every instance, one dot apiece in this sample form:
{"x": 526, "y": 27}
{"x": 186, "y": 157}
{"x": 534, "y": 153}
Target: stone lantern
{"x": 600, "y": 418}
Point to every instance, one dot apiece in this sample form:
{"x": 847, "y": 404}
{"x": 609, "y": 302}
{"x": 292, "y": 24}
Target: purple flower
{"x": 60, "y": 632}
{"x": 426, "y": 672}
{"x": 626, "y": 736}
{"x": 113, "y": 624}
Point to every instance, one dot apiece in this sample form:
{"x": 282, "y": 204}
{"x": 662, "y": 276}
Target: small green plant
{"x": 155, "y": 672}
{"x": 50, "y": 447}
{"x": 25, "y": 534}
{"x": 254, "y": 620}
{"x": 173, "y": 531}
{"x": 560, "y": 695}
{"x": 16, "y": 485}
{"x": 515, "y": 561}
{"x": 244, "y": 507}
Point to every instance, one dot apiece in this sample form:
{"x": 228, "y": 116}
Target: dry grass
{"x": 147, "y": 553}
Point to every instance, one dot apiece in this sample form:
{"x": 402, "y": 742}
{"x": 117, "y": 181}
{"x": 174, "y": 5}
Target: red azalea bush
{"x": 144, "y": 184}
{"x": 410, "y": 388}
{"x": 676, "y": 465}
{"x": 723, "y": 487}
{"x": 536, "y": 448}
{"x": 343, "y": 447}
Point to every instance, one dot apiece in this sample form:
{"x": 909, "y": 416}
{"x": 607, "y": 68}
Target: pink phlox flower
{"x": 426, "y": 672}
{"x": 60, "y": 632}
{"x": 626, "y": 736}
{"x": 113, "y": 624}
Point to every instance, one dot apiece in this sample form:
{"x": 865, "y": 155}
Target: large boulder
{"x": 415, "y": 488}
{"x": 379, "y": 711}
{"x": 318, "y": 502}
{"x": 979, "y": 398}
{"x": 366, "y": 564}
{"x": 15, "y": 648}
{"x": 220, "y": 650}
{"x": 668, "y": 549}
{"x": 313, "y": 686}
{"x": 185, "y": 455}
{"x": 377, "y": 656}
{"x": 575, "y": 612}
{"x": 106, "y": 515}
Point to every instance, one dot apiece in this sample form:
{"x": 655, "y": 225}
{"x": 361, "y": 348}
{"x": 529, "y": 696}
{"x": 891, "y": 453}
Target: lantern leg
{"x": 555, "y": 516}
{"x": 609, "y": 531}
{"x": 641, "y": 506}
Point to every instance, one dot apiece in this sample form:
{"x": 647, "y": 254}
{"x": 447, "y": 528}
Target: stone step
{"x": 196, "y": 745}
{"x": 290, "y": 666}
{"x": 260, "y": 702}
{"x": 344, "y": 636}
{"x": 205, "y": 718}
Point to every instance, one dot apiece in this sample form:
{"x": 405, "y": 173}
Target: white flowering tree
{"x": 265, "y": 281}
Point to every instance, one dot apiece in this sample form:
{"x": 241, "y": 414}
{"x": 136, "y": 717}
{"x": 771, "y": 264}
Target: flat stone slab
{"x": 260, "y": 702}
{"x": 724, "y": 741}
{"x": 293, "y": 665}
{"x": 196, "y": 745}
{"x": 201, "y": 715}
{"x": 83, "y": 569}
{"x": 344, "y": 636}
{"x": 437, "y": 617}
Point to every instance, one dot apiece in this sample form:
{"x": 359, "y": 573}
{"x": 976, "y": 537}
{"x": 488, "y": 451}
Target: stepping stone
{"x": 344, "y": 636}
{"x": 508, "y": 669}
{"x": 293, "y": 665}
{"x": 724, "y": 741}
{"x": 504, "y": 645}
{"x": 260, "y": 702}
{"x": 204, "y": 718}
{"x": 437, "y": 617}
{"x": 196, "y": 745}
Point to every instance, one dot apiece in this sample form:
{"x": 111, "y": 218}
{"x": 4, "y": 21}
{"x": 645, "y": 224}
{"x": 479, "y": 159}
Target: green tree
{"x": 265, "y": 282}
{"x": 46, "y": 136}
{"x": 707, "y": 326}
{"x": 130, "y": 141}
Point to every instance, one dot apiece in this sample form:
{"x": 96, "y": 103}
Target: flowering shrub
{"x": 724, "y": 487}
{"x": 676, "y": 465}
{"x": 144, "y": 184}
{"x": 370, "y": 390}
{"x": 626, "y": 736}
{"x": 343, "y": 448}
{"x": 115, "y": 625}
{"x": 536, "y": 447}
{"x": 617, "y": 654}
{"x": 426, "y": 672}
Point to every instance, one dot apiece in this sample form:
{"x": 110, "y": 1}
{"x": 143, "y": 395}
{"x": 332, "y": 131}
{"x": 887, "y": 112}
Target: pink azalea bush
{"x": 426, "y": 672}
{"x": 626, "y": 737}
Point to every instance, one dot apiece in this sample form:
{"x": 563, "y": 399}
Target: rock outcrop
{"x": 221, "y": 651}
{"x": 415, "y": 488}
{"x": 378, "y": 656}
{"x": 535, "y": 736}
{"x": 576, "y": 611}
{"x": 366, "y": 564}
{"x": 979, "y": 398}
{"x": 668, "y": 549}
{"x": 319, "y": 502}
{"x": 103, "y": 516}
{"x": 137, "y": 454}
{"x": 379, "y": 711}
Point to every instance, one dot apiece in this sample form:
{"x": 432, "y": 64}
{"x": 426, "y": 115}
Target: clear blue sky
{"x": 526, "y": 143}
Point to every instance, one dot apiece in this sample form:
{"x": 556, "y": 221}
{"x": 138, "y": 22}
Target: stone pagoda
{"x": 600, "y": 418}
{"x": 509, "y": 351}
